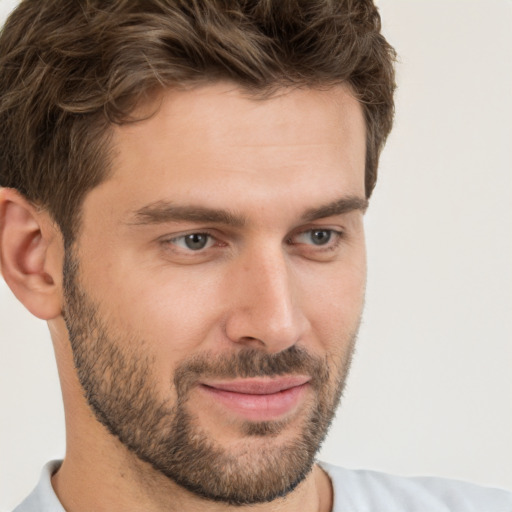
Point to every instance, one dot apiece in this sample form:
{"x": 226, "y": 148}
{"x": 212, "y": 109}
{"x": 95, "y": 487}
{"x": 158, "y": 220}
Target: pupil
{"x": 196, "y": 241}
{"x": 321, "y": 237}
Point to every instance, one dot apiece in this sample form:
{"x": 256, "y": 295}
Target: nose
{"x": 265, "y": 309}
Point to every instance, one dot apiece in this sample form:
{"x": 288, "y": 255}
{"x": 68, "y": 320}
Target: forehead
{"x": 217, "y": 144}
{"x": 223, "y": 111}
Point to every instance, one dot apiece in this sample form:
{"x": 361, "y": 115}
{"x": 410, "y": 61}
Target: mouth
{"x": 258, "y": 399}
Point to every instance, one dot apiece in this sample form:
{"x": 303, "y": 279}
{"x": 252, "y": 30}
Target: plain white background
{"x": 431, "y": 386}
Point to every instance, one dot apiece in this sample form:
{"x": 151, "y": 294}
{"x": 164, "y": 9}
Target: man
{"x": 184, "y": 187}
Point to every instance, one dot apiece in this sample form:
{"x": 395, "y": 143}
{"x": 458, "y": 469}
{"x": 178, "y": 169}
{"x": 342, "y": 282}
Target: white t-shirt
{"x": 354, "y": 491}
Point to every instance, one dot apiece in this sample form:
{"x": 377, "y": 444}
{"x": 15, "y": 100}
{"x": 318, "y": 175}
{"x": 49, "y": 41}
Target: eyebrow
{"x": 338, "y": 207}
{"x": 163, "y": 211}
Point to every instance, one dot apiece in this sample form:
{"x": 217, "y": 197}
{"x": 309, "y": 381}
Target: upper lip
{"x": 259, "y": 386}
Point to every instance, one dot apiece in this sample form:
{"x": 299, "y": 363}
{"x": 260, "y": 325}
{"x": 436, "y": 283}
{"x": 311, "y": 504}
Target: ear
{"x": 30, "y": 250}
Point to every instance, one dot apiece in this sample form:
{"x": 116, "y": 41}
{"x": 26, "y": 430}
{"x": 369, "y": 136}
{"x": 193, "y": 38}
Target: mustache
{"x": 251, "y": 363}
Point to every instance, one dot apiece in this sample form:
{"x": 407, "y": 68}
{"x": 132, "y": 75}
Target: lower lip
{"x": 268, "y": 407}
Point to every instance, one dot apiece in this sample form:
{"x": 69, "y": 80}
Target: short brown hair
{"x": 71, "y": 68}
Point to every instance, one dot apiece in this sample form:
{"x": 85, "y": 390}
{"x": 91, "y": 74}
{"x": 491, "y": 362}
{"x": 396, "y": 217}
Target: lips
{"x": 259, "y": 386}
{"x": 258, "y": 399}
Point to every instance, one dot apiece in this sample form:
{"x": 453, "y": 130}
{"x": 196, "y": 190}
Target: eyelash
{"x": 330, "y": 245}
{"x": 193, "y": 233}
{"x": 336, "y": 236}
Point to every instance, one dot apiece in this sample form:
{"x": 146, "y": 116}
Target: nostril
{"x": 250, "y": 341}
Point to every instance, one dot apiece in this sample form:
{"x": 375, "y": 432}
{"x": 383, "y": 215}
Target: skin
{"x": 263, "y": 285}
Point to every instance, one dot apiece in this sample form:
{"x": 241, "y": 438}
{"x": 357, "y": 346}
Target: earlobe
{"x": 28, "y": 256}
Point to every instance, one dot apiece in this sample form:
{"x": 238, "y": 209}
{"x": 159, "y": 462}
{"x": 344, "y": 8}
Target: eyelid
{"x": 336, "y": 236}
{"x": 209, "y": 242}
{"x": 171, "y": 240}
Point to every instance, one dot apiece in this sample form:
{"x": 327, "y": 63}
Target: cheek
{"x": 173, "y": 312}
{"x": 177, "y": 311}
{"x": 334, "y": 304}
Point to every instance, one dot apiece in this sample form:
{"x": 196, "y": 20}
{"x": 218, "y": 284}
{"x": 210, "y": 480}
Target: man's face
{"x": 215, "y": 290}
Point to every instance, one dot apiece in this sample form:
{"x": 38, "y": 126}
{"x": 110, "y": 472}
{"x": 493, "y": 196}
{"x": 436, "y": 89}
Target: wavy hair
{"x": 71, "y": 68}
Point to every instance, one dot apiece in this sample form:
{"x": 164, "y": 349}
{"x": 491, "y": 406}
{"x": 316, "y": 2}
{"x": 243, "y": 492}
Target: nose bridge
{"x": 266, "y": 306}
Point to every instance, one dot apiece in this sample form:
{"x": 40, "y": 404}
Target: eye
{"x": 320, "y": 236}
{"x": 193, "y": 241}
{"x": 316, "y": 237}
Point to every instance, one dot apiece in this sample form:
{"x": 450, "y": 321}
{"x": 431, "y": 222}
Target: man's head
{"x": 208, "y": 165}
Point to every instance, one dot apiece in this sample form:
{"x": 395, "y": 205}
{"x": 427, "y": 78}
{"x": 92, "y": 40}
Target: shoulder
{"x": 43, "y": 497}
{"x": 373, "y": 491}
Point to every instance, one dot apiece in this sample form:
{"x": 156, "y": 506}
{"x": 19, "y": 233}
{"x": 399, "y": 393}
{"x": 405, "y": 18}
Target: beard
{"x": 121, "y": 390}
